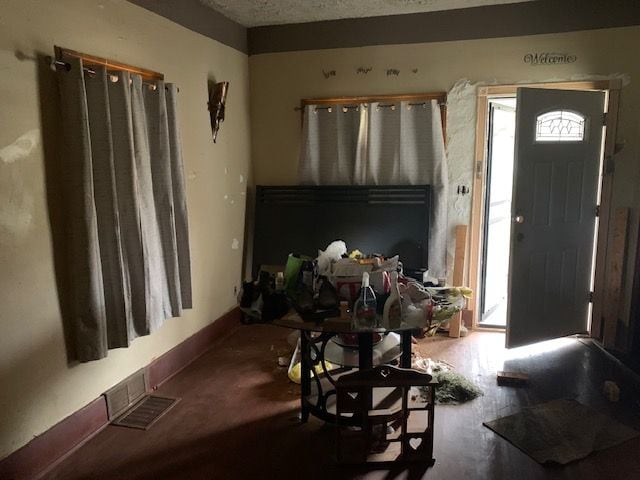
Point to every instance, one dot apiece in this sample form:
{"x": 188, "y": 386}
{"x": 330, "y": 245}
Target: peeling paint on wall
{"x": 21, "y": 147}
{"x": 16, "y": 207}
{"x": 461, "y": 120}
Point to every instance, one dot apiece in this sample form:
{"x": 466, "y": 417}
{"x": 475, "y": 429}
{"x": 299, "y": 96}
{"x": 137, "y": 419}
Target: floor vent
{"x": 126, "y": 393}
{"x": 146, "y": 412}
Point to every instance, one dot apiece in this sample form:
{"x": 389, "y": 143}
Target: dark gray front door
{"x": 558, "y": 150}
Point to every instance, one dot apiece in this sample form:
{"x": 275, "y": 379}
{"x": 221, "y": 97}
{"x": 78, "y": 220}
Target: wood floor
{"x": 238, "y": 418}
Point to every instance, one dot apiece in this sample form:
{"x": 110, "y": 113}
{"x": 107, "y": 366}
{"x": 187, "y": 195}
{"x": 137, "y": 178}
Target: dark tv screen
{"x": 389, "y": 220}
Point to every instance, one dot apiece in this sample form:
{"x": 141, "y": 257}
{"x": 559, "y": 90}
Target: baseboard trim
{"x": 46, "y": 450}
{"x": 166, "y": 366}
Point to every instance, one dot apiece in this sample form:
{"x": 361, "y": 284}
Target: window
{"x": 560, "y": 126}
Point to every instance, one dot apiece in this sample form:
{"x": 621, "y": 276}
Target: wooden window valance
{"x": 63, "y": 54}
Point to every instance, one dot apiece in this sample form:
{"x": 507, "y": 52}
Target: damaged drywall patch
{"x": 21, "y": 147}
{"x": 16, "y": 206}
{"x": 461, "y": 121}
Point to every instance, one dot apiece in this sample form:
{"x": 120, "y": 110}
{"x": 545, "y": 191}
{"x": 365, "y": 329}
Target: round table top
{"x": 342, "y": 325}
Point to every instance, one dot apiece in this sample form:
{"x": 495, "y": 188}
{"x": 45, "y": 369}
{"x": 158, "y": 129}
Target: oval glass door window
{"x": 560, "y": 126}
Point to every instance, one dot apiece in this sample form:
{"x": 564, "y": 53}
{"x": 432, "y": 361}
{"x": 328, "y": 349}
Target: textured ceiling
{"x": 252, "y": 13}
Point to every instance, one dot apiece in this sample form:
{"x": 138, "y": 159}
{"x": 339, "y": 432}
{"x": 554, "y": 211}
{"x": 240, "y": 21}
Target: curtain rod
{"x": 415, "y": 99}
{"x": 112, "y": 78}
{"x": 346, "y": 108}
{"x": 89, "y": 60}
{"x": 409, "y": 97}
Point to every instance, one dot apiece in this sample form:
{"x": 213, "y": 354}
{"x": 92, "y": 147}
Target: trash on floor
{"x": 611, "y": 391}
{"x": 294, "y": 372}
{"x": 453, "y": 387}
{"x": 283, "y": 361}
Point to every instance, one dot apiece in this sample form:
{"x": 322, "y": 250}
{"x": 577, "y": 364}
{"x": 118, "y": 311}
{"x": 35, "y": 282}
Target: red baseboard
{"x": 44, "y": 451}
{"x": 166, "y": 366}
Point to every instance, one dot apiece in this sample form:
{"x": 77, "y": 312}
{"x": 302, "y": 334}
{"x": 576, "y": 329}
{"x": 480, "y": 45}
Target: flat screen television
{"x": 389, "y": 220}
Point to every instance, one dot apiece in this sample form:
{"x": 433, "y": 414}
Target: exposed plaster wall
{"x": 38, "y": 387}
{"x": 280, "y": 80}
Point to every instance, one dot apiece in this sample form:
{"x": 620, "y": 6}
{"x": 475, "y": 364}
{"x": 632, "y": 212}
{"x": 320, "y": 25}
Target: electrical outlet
{"x": 235, "y": 290}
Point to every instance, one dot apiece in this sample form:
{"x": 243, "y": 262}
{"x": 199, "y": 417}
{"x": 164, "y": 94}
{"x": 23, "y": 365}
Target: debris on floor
{"x": 512, "y": 379}
{"x": 295, "y": 372}
{"x": 283, "y": 361}
{"x": 453, "y": 387}
{"x": 611, "y": 391}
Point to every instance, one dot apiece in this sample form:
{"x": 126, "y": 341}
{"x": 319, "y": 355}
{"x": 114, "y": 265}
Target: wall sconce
{"x": 217, "y": 100}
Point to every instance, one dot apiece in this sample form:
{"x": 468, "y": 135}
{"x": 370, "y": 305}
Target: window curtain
{"x": 381, "y": 145}
{"x": 127, "y": 229}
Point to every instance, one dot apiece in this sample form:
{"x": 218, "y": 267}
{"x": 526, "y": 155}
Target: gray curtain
{"x": 330, "y": 133}
{"x": 381, "y": 145}
{"x": 127, "y": 228}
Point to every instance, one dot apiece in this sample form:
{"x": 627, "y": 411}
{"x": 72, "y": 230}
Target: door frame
{"x": 599, "y": 317}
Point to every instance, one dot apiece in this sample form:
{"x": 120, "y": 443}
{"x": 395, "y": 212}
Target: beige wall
{"x": 37, "y": 386}
{"x": 280, "y": 80}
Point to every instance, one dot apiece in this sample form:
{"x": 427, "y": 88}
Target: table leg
{"x": 305, "y": 375}
{"x": 365, "y": 350}
{"x": 365, "y": 362}
{"x": 405, "y": 357}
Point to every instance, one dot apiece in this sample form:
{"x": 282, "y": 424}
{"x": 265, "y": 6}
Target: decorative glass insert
{"x": 560, "y": 126}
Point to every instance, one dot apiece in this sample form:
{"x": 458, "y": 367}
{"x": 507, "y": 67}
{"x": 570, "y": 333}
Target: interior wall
{"x": 280, "y": 80}
{"x": 38, "y": 385}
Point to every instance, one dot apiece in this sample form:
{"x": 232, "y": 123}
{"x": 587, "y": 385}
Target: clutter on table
{"x": 370, "y": 291}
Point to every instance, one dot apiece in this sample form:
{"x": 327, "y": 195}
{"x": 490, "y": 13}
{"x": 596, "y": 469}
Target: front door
{"x": 558, "y": 149}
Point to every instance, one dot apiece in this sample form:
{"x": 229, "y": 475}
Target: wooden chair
{"x": 395, "y": 421}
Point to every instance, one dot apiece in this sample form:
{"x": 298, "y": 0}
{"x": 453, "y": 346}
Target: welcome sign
{"x": 549, "y": 58}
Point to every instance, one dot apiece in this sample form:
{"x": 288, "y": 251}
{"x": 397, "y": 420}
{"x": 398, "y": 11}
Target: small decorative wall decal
{"x": 329, "y": 73}
{"x": 393, "y": 71}
{"x": 415, "y": 70}
{"x": 549, "y": 58}
{"x": 363, "y": 70}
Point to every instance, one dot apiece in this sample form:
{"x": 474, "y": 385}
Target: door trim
{"x": 484, "y": 93}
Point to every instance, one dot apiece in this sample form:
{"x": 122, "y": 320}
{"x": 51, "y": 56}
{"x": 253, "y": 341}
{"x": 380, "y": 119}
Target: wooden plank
{"x": 460, "y": 255}
{"x": 514, "y": 379}
{"x": 467, "y": 318}
{"x": 604, "y": 231}
{"x": 458, "y": 275}
{"x": 615, "y": 272}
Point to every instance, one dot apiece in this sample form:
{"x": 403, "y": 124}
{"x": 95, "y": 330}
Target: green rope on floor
{"x": 455, "y": 388}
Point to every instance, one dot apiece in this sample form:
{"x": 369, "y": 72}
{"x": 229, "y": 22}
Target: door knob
{"x": 519, "y": 219}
